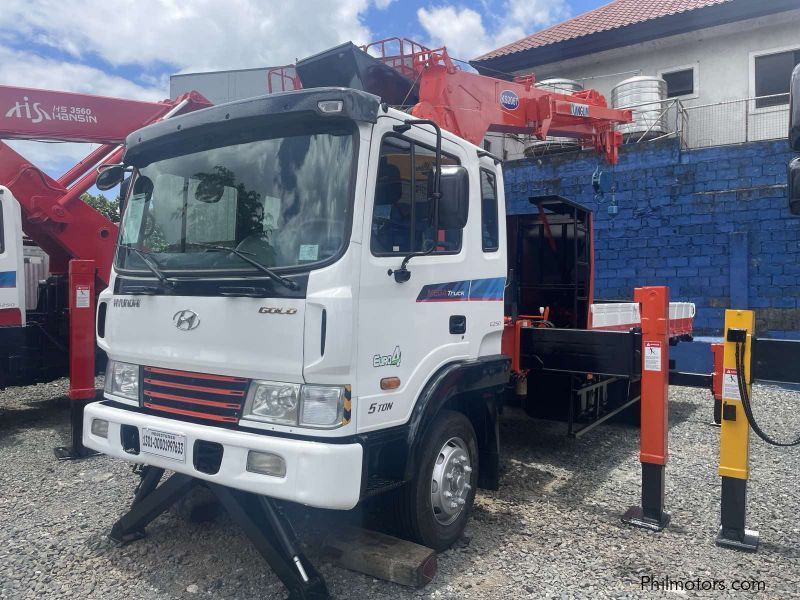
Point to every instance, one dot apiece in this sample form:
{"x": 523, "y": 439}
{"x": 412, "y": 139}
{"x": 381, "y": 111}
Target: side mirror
{"x": 109, "y": 176}
{"x": 794, "y": 110}
{"x": 794, "y": 187}
{"x": 454, "y": 199}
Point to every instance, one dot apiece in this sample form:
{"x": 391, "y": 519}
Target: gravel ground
{"x": 552, "y": 531}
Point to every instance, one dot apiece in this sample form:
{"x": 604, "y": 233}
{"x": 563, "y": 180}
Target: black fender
{"x": 477, "y": 386}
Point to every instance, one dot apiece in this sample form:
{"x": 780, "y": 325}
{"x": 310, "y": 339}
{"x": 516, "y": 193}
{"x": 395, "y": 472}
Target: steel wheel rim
{"x": 450, "y": 481}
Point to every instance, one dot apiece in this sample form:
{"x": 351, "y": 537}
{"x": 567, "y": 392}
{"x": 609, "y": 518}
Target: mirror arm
{"x": 402, "y": 274}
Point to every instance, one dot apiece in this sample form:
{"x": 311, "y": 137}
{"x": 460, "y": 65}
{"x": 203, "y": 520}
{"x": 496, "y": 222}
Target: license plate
{"x": 162, "y": 443}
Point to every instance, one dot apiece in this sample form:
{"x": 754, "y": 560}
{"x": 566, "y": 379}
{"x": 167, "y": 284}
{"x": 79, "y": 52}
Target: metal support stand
{"x": 718, "y": 353}
{"x": 654, "y": 303}
{"x": 651, "y": 514}
{"x": 76, "y": 449}
{"x": 734, "y": 439}
{"x": 262, "y": 523}
{"x": 81, "y": 354}
{"x": 150, "y": 501}
{"x": 732, "y": 532}
{"x": 267, "y": 529}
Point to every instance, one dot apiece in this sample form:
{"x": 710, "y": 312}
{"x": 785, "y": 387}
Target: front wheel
{"x": 434, "y": 507}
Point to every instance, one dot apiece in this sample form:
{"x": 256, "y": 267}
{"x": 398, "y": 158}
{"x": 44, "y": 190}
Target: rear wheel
{"x": 434, "y": 507}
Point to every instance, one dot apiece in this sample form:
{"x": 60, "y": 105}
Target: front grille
{"x": 216, "y": 398}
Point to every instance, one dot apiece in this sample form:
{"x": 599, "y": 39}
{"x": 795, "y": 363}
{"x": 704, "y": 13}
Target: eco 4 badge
{"x": 387, "y": 360}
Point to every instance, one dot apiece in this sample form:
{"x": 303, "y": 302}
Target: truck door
{"x": 407, "y": 331}
{"x": 12, "y": 286}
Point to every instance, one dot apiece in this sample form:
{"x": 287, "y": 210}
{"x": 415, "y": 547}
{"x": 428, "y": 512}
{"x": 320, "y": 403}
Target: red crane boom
{"x": 52, "y": 213}
{"x": 405, "y": 73}
{"x": 471, "y": 105}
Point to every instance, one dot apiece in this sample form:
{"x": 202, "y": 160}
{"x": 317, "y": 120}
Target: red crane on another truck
{"x": 34, "y": 343}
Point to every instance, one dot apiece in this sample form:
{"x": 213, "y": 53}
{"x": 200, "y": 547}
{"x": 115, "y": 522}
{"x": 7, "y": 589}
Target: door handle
{"x": 458, "y": 324}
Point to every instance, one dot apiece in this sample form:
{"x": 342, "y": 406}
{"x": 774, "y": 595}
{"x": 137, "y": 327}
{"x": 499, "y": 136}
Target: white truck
{"x": 311, "y": 300}
{"x": 321, "y": 377}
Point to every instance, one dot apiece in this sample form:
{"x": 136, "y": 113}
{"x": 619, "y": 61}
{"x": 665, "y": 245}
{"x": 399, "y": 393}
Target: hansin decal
{"x": 34, "y": 112}
{"x": 578, "y": 110}
{"x": 509, "y": 100}
{"x": 127, "y": 303}
{"x": 388, "y": 360}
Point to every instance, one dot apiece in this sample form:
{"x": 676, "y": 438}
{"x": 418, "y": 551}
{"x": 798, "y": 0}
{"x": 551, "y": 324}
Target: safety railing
{"x": 715, "y": 124}
{"x": 738, "y": 121}
{"x": 656, "y": 120}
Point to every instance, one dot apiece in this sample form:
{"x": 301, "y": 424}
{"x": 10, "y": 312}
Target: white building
{"x": 709, "y": 52}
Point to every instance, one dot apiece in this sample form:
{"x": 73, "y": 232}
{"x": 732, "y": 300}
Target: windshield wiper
{"x": 151, "y": 265}
{"x": 286, "y": 282}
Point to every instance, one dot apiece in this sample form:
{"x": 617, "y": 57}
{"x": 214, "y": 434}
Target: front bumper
{"x": 317, "y": 474}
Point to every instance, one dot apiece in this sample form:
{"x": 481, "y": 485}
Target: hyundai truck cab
{"x": 306, "y": 303}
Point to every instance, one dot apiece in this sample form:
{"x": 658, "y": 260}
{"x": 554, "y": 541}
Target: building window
{"x": 489, "y": 225}
{"x": 772, "y": 75}
{"x": 403, "y": 213}
{"x": 679, "y": 83}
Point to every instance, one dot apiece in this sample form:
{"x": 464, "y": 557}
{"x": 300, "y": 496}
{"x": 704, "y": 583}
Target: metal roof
{"x": 621, "y": 23}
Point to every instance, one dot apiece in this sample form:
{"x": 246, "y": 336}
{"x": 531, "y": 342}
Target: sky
{"x": 129, "y": 48}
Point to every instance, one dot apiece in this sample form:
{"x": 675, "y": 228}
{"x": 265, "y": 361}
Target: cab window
{"x": 402, "y": 217}
{"x": 489, "y": 221}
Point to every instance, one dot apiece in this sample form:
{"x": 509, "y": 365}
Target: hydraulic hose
{"x": 748, "y": 409}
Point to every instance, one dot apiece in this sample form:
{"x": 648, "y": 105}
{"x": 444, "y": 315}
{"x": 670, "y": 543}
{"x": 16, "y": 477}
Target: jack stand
{"x": 734, "y": 439}
{"x": 76, "y": 450}
{"x": 81, "y": 354}
{"x": 654, "y": 306}
{"x": 717, "y": 420}
{"x": 258, "y": 517}
{"x": 651, "y": 514}
{"x": 732, "y": 532}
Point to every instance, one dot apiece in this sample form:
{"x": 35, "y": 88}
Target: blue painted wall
{"x": 713, "y": 224}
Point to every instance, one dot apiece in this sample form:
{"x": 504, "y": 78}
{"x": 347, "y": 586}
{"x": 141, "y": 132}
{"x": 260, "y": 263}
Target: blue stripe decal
{"x": 8, "y": 279}
{"x": 487, "y": 289}
{"x": 490, "y": 289}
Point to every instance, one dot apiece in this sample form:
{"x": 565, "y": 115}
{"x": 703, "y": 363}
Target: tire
{"x": 449, "y": 446}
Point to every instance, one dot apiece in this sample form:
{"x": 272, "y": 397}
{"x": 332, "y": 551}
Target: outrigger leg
{"x": 264, "y": 525}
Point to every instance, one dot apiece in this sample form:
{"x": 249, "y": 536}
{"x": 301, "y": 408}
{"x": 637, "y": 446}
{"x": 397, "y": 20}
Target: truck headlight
{"x": 321, "y": 406}
{"x": 273, "y": 401}
{"x": 318, "y": 406}
{"x": 122, "y": 379}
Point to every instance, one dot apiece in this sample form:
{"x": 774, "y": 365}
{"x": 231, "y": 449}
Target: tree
{"x": 106, "y": 207}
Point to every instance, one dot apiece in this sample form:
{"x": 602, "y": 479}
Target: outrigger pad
{"x": 635, "y": 516}
{"x": 745, "y": 540}
{"x": 349, "y": 66}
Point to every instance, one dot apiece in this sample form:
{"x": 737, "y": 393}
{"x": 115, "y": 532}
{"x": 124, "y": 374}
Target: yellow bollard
{"x": 734, "y": 440}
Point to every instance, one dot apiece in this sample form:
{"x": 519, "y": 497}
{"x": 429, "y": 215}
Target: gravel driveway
{"x": 552, "y": 531}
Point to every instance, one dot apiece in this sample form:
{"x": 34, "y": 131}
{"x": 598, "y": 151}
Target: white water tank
{"x": 645, "y": 95}
{"x": 552, "y": 145}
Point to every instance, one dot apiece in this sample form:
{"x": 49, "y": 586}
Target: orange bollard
{"x": 654, "y": 305}
{"x": 718, "y": 352}
{"x": 82, "y": 275}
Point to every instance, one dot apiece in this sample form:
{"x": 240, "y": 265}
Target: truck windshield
{"x": 284, "y": 202}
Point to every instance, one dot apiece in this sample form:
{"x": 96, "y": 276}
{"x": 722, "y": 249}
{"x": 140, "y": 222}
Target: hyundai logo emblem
{"x": 186, "y": 320}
